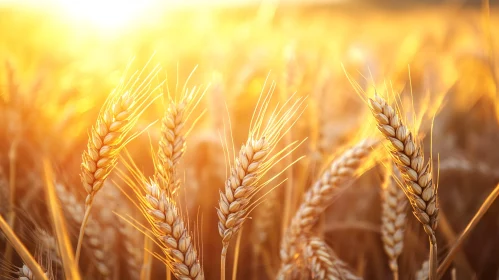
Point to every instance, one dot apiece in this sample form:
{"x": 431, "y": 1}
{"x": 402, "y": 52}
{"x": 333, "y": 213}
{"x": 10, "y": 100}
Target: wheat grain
{"x": 323, "y": 262}
{"x": 337, "y": 176}
{"x": 393, "y": 219}
{"x": 422, "y": 273}
{"x": 408, "y": 156}
{"x": 25, "y": 273}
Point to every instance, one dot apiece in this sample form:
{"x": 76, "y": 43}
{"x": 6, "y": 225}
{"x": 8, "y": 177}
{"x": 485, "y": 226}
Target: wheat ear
{"x": 323, "y": 263}
{"x": 408, "y": 156}
{"x": 393, "y": 219}
{"x": 339, "y": 173}
{"x": 173, "y": 236}
{"x": 172, "y": 141}
{"x": 131, "y": 243}
{"x": 255, "y": 158}
{"x": 111, "y": 133}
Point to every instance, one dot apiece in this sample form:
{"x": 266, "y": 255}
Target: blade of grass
{"x": 63, "y": 241}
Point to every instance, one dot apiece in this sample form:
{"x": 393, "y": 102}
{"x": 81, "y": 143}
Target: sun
{"x": 107, "y": 14}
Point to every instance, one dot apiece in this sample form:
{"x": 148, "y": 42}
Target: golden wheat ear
{"x": 408, "y": 156}
{"x": 111, "y": 133}
{"x": 173, "y": 132}
{"x": 168, "y": 228}
{"x": 338, "y": 175}
{"x": 253, "y": 161}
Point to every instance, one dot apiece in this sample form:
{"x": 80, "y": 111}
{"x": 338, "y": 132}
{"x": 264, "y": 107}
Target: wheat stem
{"x": 64, "y": 243}
{"x": 22, "y": 251}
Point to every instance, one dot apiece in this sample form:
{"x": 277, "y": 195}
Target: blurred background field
{"x": 59, "y": 61}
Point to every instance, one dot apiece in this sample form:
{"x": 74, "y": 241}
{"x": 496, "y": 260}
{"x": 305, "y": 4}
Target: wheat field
{"x": 256, "y": 141}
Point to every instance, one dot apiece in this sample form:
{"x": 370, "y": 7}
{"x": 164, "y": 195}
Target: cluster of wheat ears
{"x": 256, "y": 170}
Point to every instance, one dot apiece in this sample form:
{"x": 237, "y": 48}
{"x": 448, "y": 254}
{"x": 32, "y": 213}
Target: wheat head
{"x": 393, "y": 219}
{"x": 131, "y": 241}
{"x": 172, "y": 142}
{"x": 111, "y": 132}
{"x": 255, "y": 158}
{"x": 339, "y": 173}
{"x": 171, "y": 233}
{"x": 408, "y": 156}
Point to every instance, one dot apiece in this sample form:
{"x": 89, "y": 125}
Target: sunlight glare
{"x": 108, "y": 14}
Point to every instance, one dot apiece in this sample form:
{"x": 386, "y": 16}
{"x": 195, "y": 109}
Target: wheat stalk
{"x": 393, "y": 219}
{"x": 255, "y": 158}
{"x": 408, "y": 156}
{"x": 110, "y": 134}
{"x": 323, "y": 262}
{"x": 65, "y": 248}
{"x": 22, "y": 251}
{"x": 337, "y": 176}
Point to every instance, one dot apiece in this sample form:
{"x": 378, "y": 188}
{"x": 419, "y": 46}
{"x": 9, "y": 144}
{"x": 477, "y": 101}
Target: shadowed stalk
{"x": 145, "y": 273}
{"x": 466, "y": 232}
{"x": 236, "y": 254}
{"x": 11, "y": 215}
